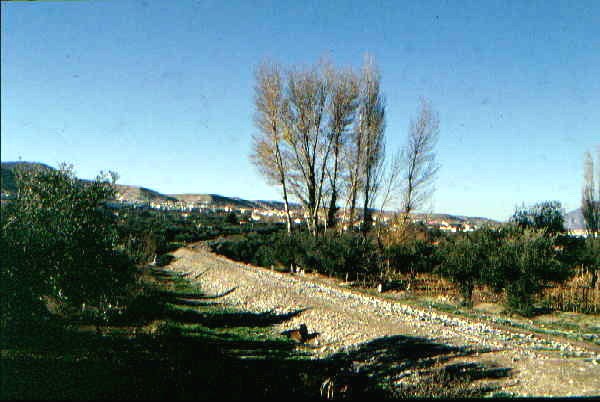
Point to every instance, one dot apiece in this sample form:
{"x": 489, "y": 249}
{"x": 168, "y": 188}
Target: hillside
{"x": 133, "y": 193}
{"x": 455, "y": 218}
{"x": 213, "y": 199}
{"x": 236, "y": 202}
{"x": 125, "y": 192}
{"x": 574, "y": 220}
{"x": 7, "y": 169}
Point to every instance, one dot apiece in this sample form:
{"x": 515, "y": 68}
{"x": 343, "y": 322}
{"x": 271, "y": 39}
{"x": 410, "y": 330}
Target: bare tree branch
{"x": 343, "y": 105}
{"x": 372, "y": 125}
{"x": 267, "y": 154}
{"x": 421, "y": 166}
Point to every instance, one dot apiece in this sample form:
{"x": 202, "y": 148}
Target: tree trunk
{"x": 332, "y": 211}
{"x": 288, "y": 217}
{"x": 284, "y": 187}
{"x": 352, "y": 209}
{"x": 367, "y": 217}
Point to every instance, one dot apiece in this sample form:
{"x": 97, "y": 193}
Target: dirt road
{"x": 346, "y": 321}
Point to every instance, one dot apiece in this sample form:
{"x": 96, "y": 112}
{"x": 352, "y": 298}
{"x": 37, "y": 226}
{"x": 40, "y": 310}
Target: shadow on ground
{"x": 413, "y": 367}
{"x": 221, "y": 354}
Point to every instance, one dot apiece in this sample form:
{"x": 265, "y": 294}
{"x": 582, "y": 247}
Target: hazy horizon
{"x": 162, "y": 92}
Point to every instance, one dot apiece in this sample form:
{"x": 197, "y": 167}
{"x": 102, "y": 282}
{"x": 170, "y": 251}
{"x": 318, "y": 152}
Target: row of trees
{"x": 518, "y": 258}
{"x": 321, "y": 139}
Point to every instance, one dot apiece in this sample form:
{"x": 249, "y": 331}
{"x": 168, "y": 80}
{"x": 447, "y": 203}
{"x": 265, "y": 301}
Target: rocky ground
{"x": 345, "y": 319}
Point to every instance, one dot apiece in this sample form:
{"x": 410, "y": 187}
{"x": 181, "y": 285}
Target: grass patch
{"x": 158, "y": 350}
{"x": 574, "y": 326}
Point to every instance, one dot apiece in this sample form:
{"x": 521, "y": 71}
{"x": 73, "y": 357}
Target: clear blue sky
{"x": 161, "y": 91}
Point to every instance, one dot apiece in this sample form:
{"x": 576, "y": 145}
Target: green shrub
{"x": 144, "y": 233}
{"x": 516, "y": 260}
{"x": 232, "y": 219}
{"x": 462, "y": 261}
{"x": 524, "y": 263}
{"x": 330, "y": 254}
{"x": 490, "y": 243}
{"x": 58, "y": 240}
{"x": 343, "y": 254}
{"x": 240, "y": 248}
{"x": 572, "y": 250}
{"x": 412, "y": 257}
{"x": 584, "y": 253}
{"x": 513, "y": 259}
{"x": 591, "y": 257}
{"x": 164, "y": 259}
{"x": 141, "y": 248}
{"x": 265, "y": 256}
{"x": 547, "y": 216}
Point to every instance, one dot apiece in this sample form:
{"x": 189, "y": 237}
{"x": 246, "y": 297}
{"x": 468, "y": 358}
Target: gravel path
{"x": 345, "y": 319}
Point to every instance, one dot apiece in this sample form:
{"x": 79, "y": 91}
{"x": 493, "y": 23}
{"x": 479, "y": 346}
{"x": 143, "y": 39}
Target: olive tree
{"x": 58, "y": 242}
{"x": 545, "y": 215}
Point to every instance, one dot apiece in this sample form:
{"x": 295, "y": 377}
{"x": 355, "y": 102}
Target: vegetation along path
{"x": 341, "y": 320}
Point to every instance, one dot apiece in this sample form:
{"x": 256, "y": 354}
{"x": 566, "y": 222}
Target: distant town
{"x": 267, "y": 211}
{"x": 274, "y": 214}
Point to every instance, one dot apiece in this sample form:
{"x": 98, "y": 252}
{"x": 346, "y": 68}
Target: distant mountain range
{"x": 141, "y": 194}
{"x": 9, "y": 185}
{"x": 574, "y": 220}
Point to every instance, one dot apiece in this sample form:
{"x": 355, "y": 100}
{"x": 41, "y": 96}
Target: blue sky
{"x": 161, "y": 91}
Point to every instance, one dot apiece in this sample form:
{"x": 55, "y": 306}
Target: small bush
{"x": 411, "y": 257}
{"x": 547, "y": 216}
{"x": 462, "y": 260}
{"x": 164, "y": 259}
{"x": 513, "y": 259}
{"x": 141, "y": 248}
{"x": 587, "y": 256}
{"x": 329, "y": 254}
{"x": 529, "y": 261}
